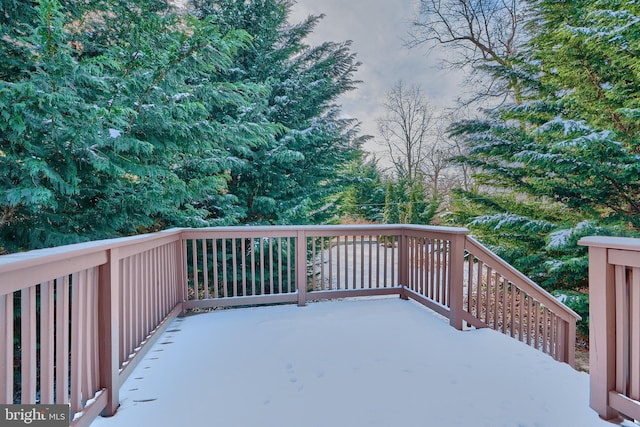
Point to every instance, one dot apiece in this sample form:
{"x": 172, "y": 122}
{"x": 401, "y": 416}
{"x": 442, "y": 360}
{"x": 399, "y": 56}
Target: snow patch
{"x": 374, "y": 362}
{"x": 560, "y": 238}
{"x": 114, "y": 133}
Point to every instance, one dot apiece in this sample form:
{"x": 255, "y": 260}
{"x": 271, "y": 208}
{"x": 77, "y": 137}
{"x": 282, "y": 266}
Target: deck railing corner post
{"x": 456, "y": 280}
{"x": 403, "y": 258}
{"x": 301, "y": 267}
{"x": 602, "y": 327}
{"x": 109, "y": 330}
{"x": 181, "y": 269}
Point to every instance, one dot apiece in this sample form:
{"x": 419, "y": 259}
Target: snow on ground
{"x": 372, "y": 362}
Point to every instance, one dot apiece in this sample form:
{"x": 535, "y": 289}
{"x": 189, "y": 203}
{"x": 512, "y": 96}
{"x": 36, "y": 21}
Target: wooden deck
{"x": 76, "y": 321}
{"x": 366, "y": 362}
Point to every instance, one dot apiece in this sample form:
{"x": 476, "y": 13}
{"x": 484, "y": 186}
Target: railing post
{"x": 109, "y": 330}
{"x": 569, "y": 344}
{"x": 6, "y": 348}
{"x": 301, "y": 267}
{"x": 456, "y": 280}
{"x": 181, "y": 269}
{"x": 403, "y": 262}
{"x": 602, "y": 331}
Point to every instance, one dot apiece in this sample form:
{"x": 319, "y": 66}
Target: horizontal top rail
{"x": 21, "y": 260}
{"x": 624, "y": 243}
{"x": 513, "y": 275}
{"x": 23, "y": 268}
{"x": 323, "y": 230}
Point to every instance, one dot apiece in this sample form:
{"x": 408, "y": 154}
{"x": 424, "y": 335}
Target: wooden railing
{"x": 500, "y": 297}
{"x": 614, "y": 321}
{"x": 85, "y": 314}
{"x": 119, "y": 295}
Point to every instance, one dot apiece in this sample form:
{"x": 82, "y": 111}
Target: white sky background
{"x": 378, "y": 29}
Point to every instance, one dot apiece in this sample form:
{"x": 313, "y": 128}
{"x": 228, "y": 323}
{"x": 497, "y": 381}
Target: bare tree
{"x": 406, "y": 129}
{"x": 481, "y": 34}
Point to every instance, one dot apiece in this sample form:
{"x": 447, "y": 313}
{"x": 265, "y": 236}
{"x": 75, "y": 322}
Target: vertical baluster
{"x": 194, "y": 266}
{"x": 415, "y": 264}
{"x": 512, "y": 310}
{"x": 160, "y": 272}
{"x": 87, "y": 328}
{"x": 362, "y": 262}
{"x": 243, "y": 261}
{"x": 125, "y": 314}
{"x": 271, "y": 291}
{"x": 146, "y": 292}
{"x": 47, "y": 336}
{"x": 279, "y": 240}
{"x": 290, "y": 288}
{"x": 438, "y": 269}
{"x": 253, "y": 266}
{"x": 529, "y": 322}
{"x": 554, "y": 336}
{"x": 322, "y": 251}
{"x": 370, "y": 262}
{"x": 205, "y": 268}
{"x": 445, "y": 273}
{"x": 394, "y": 269}
{"x": 496, "y": 301}
{"x": 261, "y": 266}
{"x": 487, "y": 296}
{"x": 386, "y": 262}
{"x": 338, "y": 266}
{"x": 545, "y": 330}
{"x": 77, "y": 338}
{"x": 6, "y": 349}
{"x": 28, "y": 344}
{"x": 95, "y": 334}
{"x": 634, "y": 335}
{"x": 135, "y": 309}
{"x": 377, "y": 261}
{"x": 62, "y": 340}
{"x": 345, "y": 267}
{"x": 314, "y": 265}
{"x": 424, "y": 251}
{"x": 521, "y": 315}
{"x": 271, "y": 244}
{"x": 353, "y": 261}
{"x": 622, "y": 328}
{"x": 155, "y": 270}
{"x": 470, "y": 282}
{"x": 432, "y": 269}
{"x": 223, "y": 257}
{"x": 214, "y": 261}
{"x": 234, "y": 267}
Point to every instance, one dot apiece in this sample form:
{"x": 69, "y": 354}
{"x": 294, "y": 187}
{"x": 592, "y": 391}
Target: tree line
{"x": 120, "y": 117}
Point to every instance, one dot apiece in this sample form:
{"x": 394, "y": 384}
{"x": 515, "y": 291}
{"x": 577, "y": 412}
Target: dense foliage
{"x": 121, "y": 117}
{"x": 561, "y": 162}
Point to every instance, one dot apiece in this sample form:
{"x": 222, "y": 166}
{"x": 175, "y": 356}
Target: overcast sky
{"x": 377, "y": 29}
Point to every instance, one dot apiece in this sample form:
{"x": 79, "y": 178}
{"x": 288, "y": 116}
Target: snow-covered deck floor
{"x": 372, "y": 362}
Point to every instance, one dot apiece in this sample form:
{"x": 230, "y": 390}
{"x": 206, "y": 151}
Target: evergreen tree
{"x": 102, "y": 137}
{"x": 364, "y": 198}
{"x": 122, "y": 117}
{"x": 563, "y": 163}
{"x": 288, "y": 177}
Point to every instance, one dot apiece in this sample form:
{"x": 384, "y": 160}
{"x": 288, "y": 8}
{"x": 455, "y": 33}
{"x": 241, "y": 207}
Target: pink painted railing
{"x": 119, "y": 295}
{"x": 614, "y": 321}
{"x": 85, "y": 312}
{"x": 500, "y": 297}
